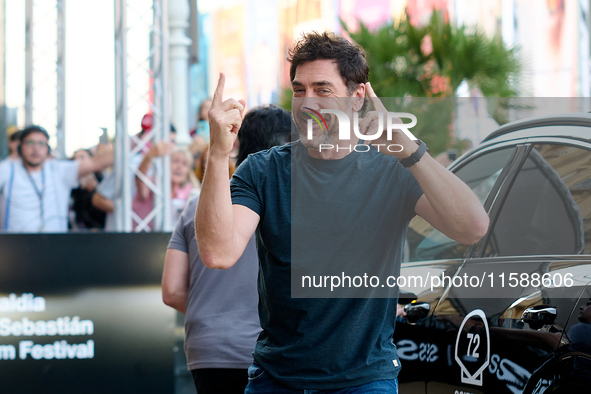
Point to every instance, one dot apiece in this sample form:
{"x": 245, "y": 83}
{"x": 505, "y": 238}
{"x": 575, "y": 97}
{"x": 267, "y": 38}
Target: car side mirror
{"x": 538, "y": 316}
{"x": 416, "y": 311}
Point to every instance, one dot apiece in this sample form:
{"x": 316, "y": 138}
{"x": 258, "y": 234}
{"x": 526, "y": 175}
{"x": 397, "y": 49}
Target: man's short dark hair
{"x": 33, "y": 129}
{"x": 262, "y": 128}
{"x": 349, "y": 57}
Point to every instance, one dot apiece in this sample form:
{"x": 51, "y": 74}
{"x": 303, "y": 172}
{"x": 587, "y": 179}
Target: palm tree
{"x": 430, "y": 62}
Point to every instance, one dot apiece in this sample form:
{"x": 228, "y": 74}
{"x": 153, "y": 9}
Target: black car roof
{"x": 572, "y": 119}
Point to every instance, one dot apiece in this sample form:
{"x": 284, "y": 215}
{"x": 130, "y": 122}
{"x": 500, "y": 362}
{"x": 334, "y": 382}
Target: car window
{"x": 423, "y": 242}
{"x": 548, "y": 209}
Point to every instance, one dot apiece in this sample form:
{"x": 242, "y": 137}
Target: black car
{"x": 512, "y": 313}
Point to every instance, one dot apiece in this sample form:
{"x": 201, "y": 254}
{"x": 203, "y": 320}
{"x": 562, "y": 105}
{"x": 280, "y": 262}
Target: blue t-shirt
{"x": 305, "y": 205}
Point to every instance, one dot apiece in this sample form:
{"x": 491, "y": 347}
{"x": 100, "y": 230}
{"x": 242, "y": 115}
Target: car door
{"x": 507, "y": 312}
{"x": 429, "y": 255}
{"x": 568, "y": 369}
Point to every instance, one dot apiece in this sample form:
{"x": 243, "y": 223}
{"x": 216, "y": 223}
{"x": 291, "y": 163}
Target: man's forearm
{"x": 214, "y": 218}
{"x": 221, "y": 239}
{"x": 102, "y": 161}
{"x": 459, "y": 213}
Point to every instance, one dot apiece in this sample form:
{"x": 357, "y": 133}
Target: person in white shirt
{"x": 37, "y": 189}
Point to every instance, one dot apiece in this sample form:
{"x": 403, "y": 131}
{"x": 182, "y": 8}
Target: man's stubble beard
{"x": 329, "y": 136}
{"x": 34, "y": 165}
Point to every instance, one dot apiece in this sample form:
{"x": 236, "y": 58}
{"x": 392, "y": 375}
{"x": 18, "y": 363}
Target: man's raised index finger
{"x": 219, "y": 91}
{"x": 373, "y": 97}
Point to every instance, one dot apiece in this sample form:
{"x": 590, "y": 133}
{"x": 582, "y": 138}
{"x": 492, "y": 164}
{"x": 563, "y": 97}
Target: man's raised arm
{"x": 222, "y": 230}
{"x": 447, "y": 204}
{"x": 103, "y": 159}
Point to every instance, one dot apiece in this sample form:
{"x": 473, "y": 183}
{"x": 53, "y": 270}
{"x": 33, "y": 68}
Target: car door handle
{"x": 415, "y": 311}
{"x": 540, "y": 315}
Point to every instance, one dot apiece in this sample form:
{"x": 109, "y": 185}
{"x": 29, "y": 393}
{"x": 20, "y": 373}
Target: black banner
{"x": 83, "y": 313}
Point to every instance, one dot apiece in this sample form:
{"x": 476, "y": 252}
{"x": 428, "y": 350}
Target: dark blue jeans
{"x": 259, "y": 382}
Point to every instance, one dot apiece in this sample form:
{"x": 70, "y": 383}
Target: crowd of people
{"x": 79, "y": 194}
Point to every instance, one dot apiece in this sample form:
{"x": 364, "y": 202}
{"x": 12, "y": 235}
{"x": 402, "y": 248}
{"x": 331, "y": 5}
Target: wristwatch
{"x": 416, "y": 156}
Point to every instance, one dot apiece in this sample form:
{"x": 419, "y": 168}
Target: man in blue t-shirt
{"x": 319, "y": 207}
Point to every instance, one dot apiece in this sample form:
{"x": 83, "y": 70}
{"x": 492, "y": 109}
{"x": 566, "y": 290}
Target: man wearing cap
{"x": 37, "y": 189}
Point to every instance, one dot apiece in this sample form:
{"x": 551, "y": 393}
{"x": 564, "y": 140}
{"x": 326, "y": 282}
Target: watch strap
{"x": 416, "y": 156}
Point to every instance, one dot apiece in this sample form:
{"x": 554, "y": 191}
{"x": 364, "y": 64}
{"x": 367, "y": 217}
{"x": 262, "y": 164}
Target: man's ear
{"x": 358, "y": 97}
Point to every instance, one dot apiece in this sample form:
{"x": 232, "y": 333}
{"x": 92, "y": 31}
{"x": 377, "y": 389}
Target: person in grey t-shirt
{"x": 220, "y": 307}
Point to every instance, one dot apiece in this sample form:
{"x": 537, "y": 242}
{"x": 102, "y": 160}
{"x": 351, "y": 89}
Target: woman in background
{"x": 183, "y": 182}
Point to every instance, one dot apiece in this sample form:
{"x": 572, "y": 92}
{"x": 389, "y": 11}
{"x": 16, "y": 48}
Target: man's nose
{"x": 311, "y": 101}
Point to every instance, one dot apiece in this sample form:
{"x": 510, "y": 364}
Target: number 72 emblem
{"x": 473, "y": 347}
